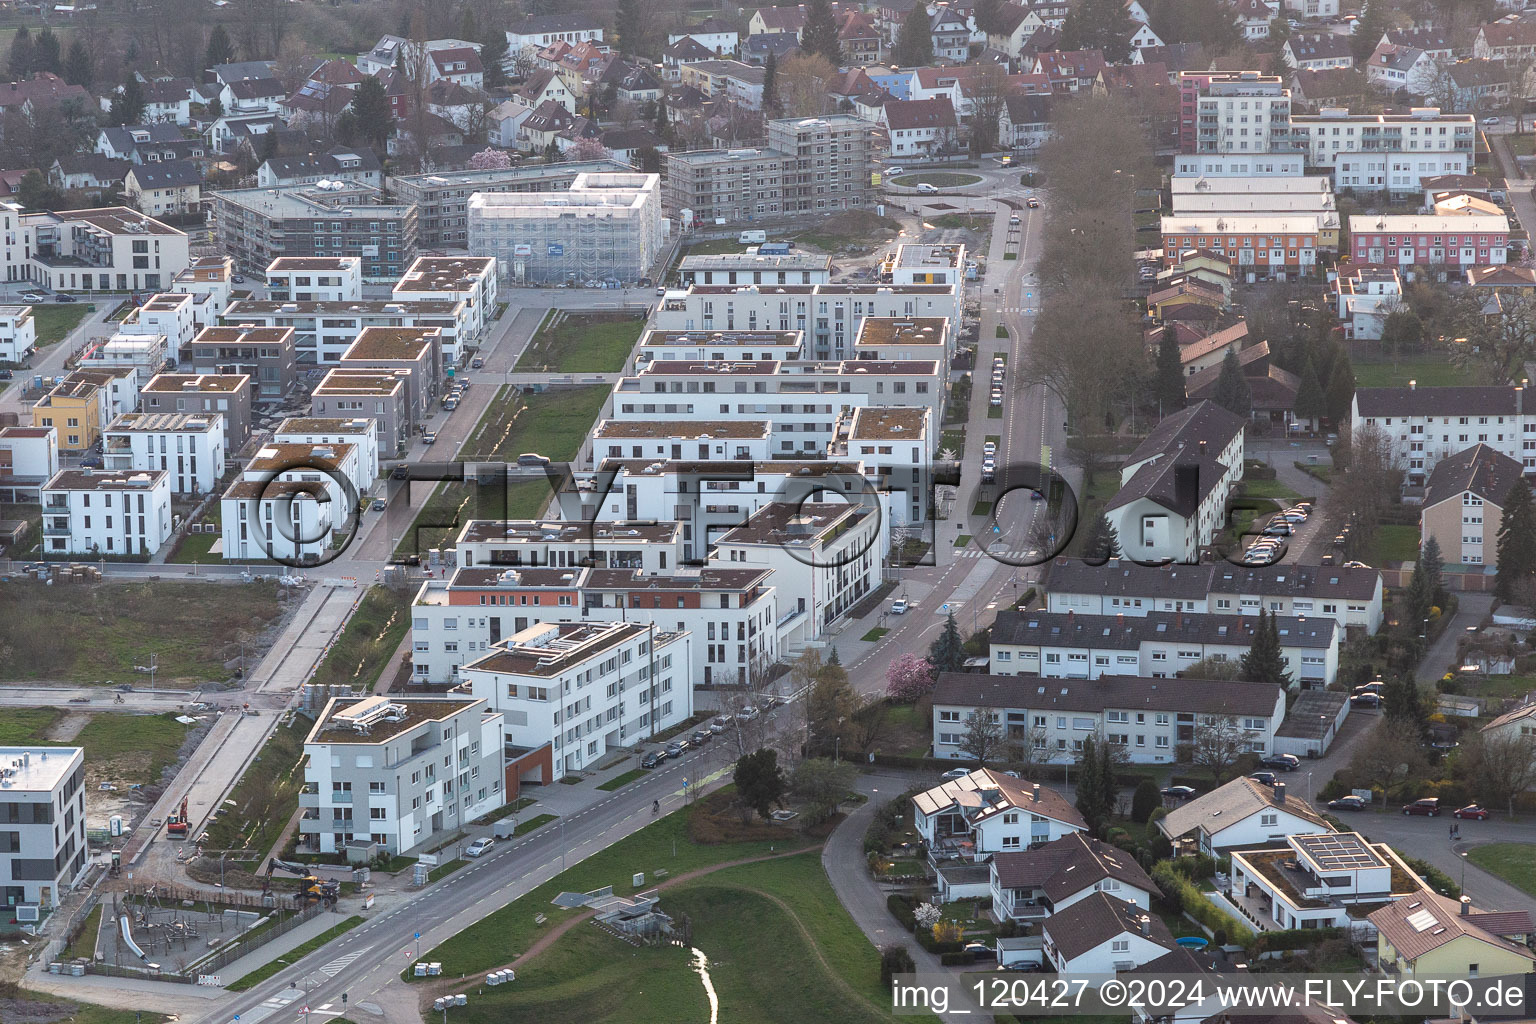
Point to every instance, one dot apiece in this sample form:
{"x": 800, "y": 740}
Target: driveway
{"x": 1441, "y": 657}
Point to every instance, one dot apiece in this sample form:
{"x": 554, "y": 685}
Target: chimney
{"x": 1146, "y": 925}
{"x": 1120, "y": 619}
{"x": 1466, "y": 906}
{"x": 1037, "y": 792}
{"x": 1279, "y": 792}
{"x": 1178, "y": 620}
{"x": 1186, "y": 487}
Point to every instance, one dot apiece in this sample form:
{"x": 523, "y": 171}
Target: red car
{"x": 1429, "y": 805}
{"x": 1475, "y": 811}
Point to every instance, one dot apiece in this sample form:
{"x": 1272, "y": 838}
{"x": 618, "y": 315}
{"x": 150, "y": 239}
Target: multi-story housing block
{"x": 653, "y": 547}
{"x": 29, "y": 456}
{"x": 441, "y": 198}
{"x": 188, "y": 447}
{"x": 415, "y": 354}
{"x": 91, "y": 512}
{"x": 18, "y": 333}
{"x": 1440, "y": 245}
{"x": 315, "y": 279}
{"x": 228, "y": 394}
{"x": 43, "y": 852}
{"x": 378, "y": 395}
{"x": 467, "y": 279}
{"x": 324, "y": 330}
{"x": 267, "y": 355}
{"x": 290, "y": 503}
{"x": 1425, "y": 425}
{"x": 359, "y": 432}
{"x": 258, "y": 225}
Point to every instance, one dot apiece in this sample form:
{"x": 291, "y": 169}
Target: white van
{"x": 752, "y": 237}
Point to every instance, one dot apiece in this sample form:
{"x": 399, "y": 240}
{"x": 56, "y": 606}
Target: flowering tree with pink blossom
{"x": 490, "y": 159}
{"x": 909, "y": 677}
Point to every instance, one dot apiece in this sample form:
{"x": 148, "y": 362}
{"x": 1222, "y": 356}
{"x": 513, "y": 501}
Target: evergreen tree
{"x": 914, "y": 42}
{"x": 1418, "y": 597}
{"x": 628, "y": 25}
{"x": 771, "y": 83}
{"x": 215, "y": 109}
{"x": 77, "y": 65}
{"x": 268, "y": 148}
{"x": 834, "y": 659}
{"x": 370, "y": 110}
{"x": 1144, "y": 801}
{"x": 988, "y": 13}
{"x": 493, "y": 56}
{"x": 1341, "y": 389}
{"x": 1404, "y": 703}
{"x": 1170, "y": 374}
{"x": 1264, "y": 662}
{"x": 21, "y": 55}
{"x": 1091, "y": 770}
{"x": 46, "y": 52}
{"x": 1369, "y": 30}
{"x": 128, "y": 104}
{"x": 947, "y": 652}
{"x": 1102, "y": 542}
{"x": 820, "y": 32}
{"x": 1099, "y": 25}
{"x": 1517, "y": 542}
{"x": 1433, "y": 565}
{"x": 1309, "y": 394}
{"x": 219, "y": 50}
{"x": 1232, "y": 391}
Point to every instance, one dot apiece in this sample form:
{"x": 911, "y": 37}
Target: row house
{"x": 1439, "y": 244}
{"x": 1276, "y": 247}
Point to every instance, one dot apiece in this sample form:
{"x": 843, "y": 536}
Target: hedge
{"x": 1180, "y": 890}
{"x": 1438, "y": 880}
{"x": 960, "y": 958}
{"x": 901, "y": 909}
{"x": 1294, "y": 938}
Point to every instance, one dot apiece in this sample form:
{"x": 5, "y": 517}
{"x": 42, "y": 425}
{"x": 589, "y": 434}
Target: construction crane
{"x": 312, "y": 887}
{"x": 176, "y": 824}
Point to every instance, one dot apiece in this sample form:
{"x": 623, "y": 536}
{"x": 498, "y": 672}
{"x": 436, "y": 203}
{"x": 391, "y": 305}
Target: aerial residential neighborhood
{"x": 650, "y": 512}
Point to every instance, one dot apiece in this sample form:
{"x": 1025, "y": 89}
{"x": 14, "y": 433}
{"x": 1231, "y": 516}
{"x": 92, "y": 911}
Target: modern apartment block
{"x": 258, "y": 225}
{"x": 1386, "y": 152}
{"x": 386, "y": 774}
{"x": 378, "y": 395}
{"x": 584, "y": 689}
{"x": 754, "y": 268}
{"x": 810, "y": 165}
{"x": 290, "y": 503}
{"x": 29, "y": 456}
{"x": 93, "y": 512}
{"x": 315, "y": 279}
{"x": 1424, "y": 425}
{"x": 42, "y": 827}
{"x": 209, "y": 280}
{"x": 267, "y": 355}
{"x": 324, "y": 330}
{"x": 18, "y": 333}
{"x": 108, "y": 248}
{"x": 189, "y": 447}
{"x": 359, "y": 432}
{"x": 228, "y": 394}
{"x": 1233, "y": 112}
{"x": 441, "y": 198}
{"x": 648, "y": 546}
{"x": 467, "y": 279}
{"x": 414, "y": 354}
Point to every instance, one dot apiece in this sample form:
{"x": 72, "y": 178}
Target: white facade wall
{"x": 304, "y": 279}
{"x": 18, "y": 333}
{"x": 42, "y": 825}
{"x": 107, "y": 513}
{"x": 191, "y": 453}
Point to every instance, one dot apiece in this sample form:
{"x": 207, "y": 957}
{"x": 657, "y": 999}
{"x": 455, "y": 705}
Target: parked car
{"x": 1178, "y": 792}
{"x": 479, "y": 846}
{"x": 699, "y": 737}
{"x": 926, "y": 189}
{"x": 400, "y": 473}
{"x": 652, "y": 759}
{"x": 238, "y": 279}
{"x": 1356, "y": 565}
{"x": 676, "y": 748}
{"x": 430, "y": 437}
{"x": 717, "y": 727}
{"x": 989, "y": 449}
{"x": 531, "y": 459}
{"x": 1428, "y": 806}
{"x": 1013, "y": 218}
{"x": 1477, "y": 812}
{"x": 1330, "y": 559}
{"x": 1374, "y": 687}
{"x": 476, "y": 363}
{"x": 899, "y": 606}
{"x": 955, "y": 773}
{"x": 1366, "y": 700}
{"x": 379, "y": 505}
{"x": 1268, "y": 778}
{"x": 1489, "y": 122}
{"x": 1283, "y": 762}
{"x": 33, "y": 297}
{"x": 1347, "y": 803}
{"x": 63, "y": 297}
{"x": 891, "y": 172}
{"x": 979, "y": 951}
{"x": 1279, "y": 528}
{"x": 748, "y": 713}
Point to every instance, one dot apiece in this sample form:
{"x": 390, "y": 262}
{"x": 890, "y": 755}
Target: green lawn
{"x": 26, "y": 725}
{"x": 198, "y": 547}
{"x": 362, "y": 652}
{"x": 191, "y": 629}
{"x": 1396, "y": 544}
{"x": 938, "y": 179}
{"x": 619, "y": 781}
{"x": 1002, "y": 332}
{"x": 779, "y": 947}
{"x": 55, "y": 321}
{"x": 444, "y": 870}
{"x": 1522, "y": 145}
{"x": 1513, "y": 862}
{"x": 1269, "y": 489}
{"x": 267, "y": 794}
{"x": 293, "y": 956}
{"x": 128, "y": 749}
{"x": 665, "y": 845}
{"x": 875, "y": 634}
{"x": 953, "y": 441}
{"x": 583, "y": 343}
{"x": 1428, "y": 370}
{"x": 84, "y": 947}
{"x": 718, "y": 247}
{"x": 962, "y": 540}
{"x": 994, "y": 412}
{"x": 30, "y": 1005}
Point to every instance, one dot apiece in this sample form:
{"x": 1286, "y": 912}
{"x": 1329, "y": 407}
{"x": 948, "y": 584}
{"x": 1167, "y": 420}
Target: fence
{"x": 50, "y": 952}
{"x": 229, "y": 954}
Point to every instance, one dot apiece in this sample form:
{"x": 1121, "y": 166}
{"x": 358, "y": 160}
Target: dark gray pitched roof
{"x": 1124, "y": 578}
{"x": 1203, "y": 421}
{"x": 1489, "y": 400}
{"x": 1122, "y": 632}
{"x": 1069, "y": 865}
{"x": 167, "y": 174}
{"x": 974, "y": 690}
{"x": 1094, "y": 920}
{"x": 555, "y": 23}
{"x": 1319, "y": 46}
{"x": 1179, "y": 483}
{"x": 1479, "y": 469}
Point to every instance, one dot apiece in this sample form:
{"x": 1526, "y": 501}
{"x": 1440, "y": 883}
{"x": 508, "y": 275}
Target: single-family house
{"x": 1029, "y": 885}
{"x": 171, "y": 187}
{"x": 920, "y": 129}
{"x": 1395, "y": 68}
{"x": 1464, "y": 504}
{"x": 1244, "y": 812}
{"x": 1314, "y": 51}
{"x": 716, "y": 34}
{"x": 1101, "y": 934}
{"x": 1430, "y": 934}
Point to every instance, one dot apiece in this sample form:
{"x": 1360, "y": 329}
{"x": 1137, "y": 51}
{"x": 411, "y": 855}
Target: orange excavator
{"x": 176, "y": 824}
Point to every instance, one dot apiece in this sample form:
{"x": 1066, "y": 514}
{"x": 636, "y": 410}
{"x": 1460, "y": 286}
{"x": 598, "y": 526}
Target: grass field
{"x": 130, "y": 748}
{"x": 293, "y": 956}
{"x": 1396, "y": 544}
{"x": 266, "y": 795}
{"x": 26, "y": 725}
{"x": 444, "y": 870}
{"x": 1428, "y": 370}
{"x": 193, "y": 629}
{"x": 537, "y": 821}
{"x": 1269, "y": 489}
{"x": 623, "y": 780}
{"x": 718, "y": 247}
{"x": 198, "y": 547}
{"x": 857, "y": 229}
{"x": 778, "y": 944}
{"x": 362, "y": 652}
{"x": 583, "y": 343}
{"x": 875, "y": 634}
{"x": 30, "y": 1005}
{"x": 938, "y": 179}
{"x": 1513, "y": 862}
{"x": 55, "y": 321}
{"x": 84, "y": 947}
{"x": 953, "y": 441}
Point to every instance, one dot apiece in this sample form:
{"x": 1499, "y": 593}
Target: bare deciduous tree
{"x": 1389, "y": 756}
{"x": 1219, "y": 741}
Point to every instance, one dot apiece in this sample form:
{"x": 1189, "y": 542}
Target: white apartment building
{"x": 1053, "y": 645}
{"x": 290, "y": 503}
{"x": 585, "y": 689}
{"x": 91, "y": 512}
{"x": 170, "y": 315}
{"x": 315, "y": 279}
{"x": 908, "y": 264}
{"x": 1238, "y": 165}
{"x": 894, "y": 446}
{"x": 316, "y": 431}
{"x": 18, "y": 333}
{"x": 1392, "y": 152}
{"x": 1352, "y": 597}
{"x": 825, "y": 556}
{"x": 648, "y": 546}
{"x": 754, "y": 268}
{"x": 1147, "y": 718}
{"x": 1244, "y": 113}
{"x": 110, "y": 248}
{"x": 189, "y": 447}
{"x": 1425, "y": 425}
{"x": 730, "y": 612}
{"x": 394, "y": 772}
{"x": 899, "y": 339}
{"x": 145, "y": 354}
{"x": 29, "y": 457}
{"x": 719, "y": 346}
{"x": 209, "y": 280}
{"x": 1364, "y": 297}
{"x": 42, "y": 827}
{"x": 682, "y": 439}
{"x": 323, "y": 331}
{"x": 471, "y": 280}
{"x": 828, "y": 315}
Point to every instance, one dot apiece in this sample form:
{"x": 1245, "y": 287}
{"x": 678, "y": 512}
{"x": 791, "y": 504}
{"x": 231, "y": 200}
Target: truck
{"x": 752, "y": 237}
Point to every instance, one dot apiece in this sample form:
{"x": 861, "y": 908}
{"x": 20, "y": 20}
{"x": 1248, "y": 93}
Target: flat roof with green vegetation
{"x": 193, "y": 629}
{"x": 363, "y": 650}
{"x": 582, "y": 342}
{"x": 55, "y": 321}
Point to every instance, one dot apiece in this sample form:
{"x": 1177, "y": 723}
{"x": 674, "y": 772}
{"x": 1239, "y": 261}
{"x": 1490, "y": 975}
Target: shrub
{"x": 1219, "y": 937}
{"x": 895, "y": 960}
{"x": 1294, "y": 938}
{"x": 1201, "y": 865}
{"x": 1192, "y": 901}
{"x": 948, "y": 931}
{"x": 1438, "y": 880}
{"x": 901, "y": 909}
{"x": 1145, "y": 800}
{"x": 1332, "y": 790}
{"x": 955, "y": 959}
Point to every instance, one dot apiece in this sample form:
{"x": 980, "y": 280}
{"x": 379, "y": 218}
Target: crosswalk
{"x": 338, "y": 965}
{"x": 1014, "y": 556}
{"x": 1023, "y": 310}
{"x": 277, "y": 1002}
